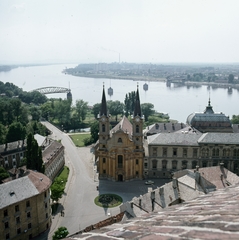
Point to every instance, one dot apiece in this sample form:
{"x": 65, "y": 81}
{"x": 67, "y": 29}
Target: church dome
{"x": 208, "y": 121}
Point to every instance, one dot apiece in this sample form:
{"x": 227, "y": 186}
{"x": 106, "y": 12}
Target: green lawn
{"x": 78, "y": 138}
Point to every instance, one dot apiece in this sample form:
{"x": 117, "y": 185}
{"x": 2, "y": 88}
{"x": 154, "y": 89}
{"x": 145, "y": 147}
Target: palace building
{"x": 208, "y": 139}
{"x": 120, "y": 151}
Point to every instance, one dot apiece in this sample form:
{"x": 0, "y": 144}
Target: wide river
{"x": 178, "y": 102}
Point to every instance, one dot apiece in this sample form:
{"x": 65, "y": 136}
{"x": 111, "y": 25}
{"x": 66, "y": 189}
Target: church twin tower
{"x": 120, "y": 152}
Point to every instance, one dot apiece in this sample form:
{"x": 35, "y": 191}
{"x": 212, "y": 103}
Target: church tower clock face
{"x": 103, "y": 119}
{"x": 137, "y": 119}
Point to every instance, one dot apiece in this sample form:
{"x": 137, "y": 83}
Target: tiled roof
{"x": 164, "y": 128}
{"x": 22, "y": 188}
{"x": 176, "y": 138}
{"x": 219, "y": 138}
{"x": 49, "y": 152}
{"x": 123, "y": 125}
{"x": 211, "y": 216}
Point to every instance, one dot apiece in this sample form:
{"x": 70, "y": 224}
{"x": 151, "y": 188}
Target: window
{"x": 46, "y": 215}
{"x": 13, "y": 156}
{"x": 185, "y": 152}
{"x": 137, "y": 173}
{"x": 154, "y": 152}
{"x": 17, "y": 219}
{"x": 194, "y": 164}
{"x": 17, "y": 208}
{"x": 119, "y": 140}
{"x": 174, "y": 165}
{"x": 18, "y": 230}
{"x": 120, "y": 161}
{"x": 184, "y": 164}
{"x": 174, "y": 152}
{"x": 137, "y": 162}
{"x": 215, "y": 163}
{"x": 103, "y": 146}
{"x": 145, "y": 165}
{"x": 154, "y": 164}
{"x": 45, "y": 205}
{"x": 195, "y": 152}
{"x": 164, "y": 164}
{"x": 104, "y": 160}
{"x": 156, "y": 126}
{"x": 6, "y": 224}
{"x": 7, "y": 236}
{"x": 45, "y": 194}
{"x": 164, "y": 152}
{"x": 28, "y": 214}
{"x": 29, "y": 226}
{"x": 137, "y": 128}
{"x": 103, "y": 127}
{"x": 104, "y": 171}
{"x": 5, "y": 213}
{"x": 224, "y": 152}
{"x": 28, "y": 203}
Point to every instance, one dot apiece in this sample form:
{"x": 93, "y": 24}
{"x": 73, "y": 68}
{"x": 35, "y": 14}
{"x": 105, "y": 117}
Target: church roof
{"x": 137, "y": 108}
{"x": 124, "y": 125}
{"x": 103, "y": 109}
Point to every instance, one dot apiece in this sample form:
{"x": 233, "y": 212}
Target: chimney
{"x": 197, "y": 168}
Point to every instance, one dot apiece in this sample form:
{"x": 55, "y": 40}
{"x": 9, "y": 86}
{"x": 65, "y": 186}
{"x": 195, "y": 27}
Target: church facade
{"x": 120, "y": 151}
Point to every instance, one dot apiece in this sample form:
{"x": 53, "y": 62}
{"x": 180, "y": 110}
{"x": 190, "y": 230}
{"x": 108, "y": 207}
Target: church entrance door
{"x": 120, "y": 178}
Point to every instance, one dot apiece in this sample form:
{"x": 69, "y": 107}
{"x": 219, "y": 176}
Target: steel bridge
{"x": 50, "y": 90}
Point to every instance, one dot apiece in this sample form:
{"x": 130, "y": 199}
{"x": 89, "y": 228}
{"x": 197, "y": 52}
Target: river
{"x": 178, "y": 102}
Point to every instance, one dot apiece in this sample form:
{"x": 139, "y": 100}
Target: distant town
{"x": 180, "y": 73}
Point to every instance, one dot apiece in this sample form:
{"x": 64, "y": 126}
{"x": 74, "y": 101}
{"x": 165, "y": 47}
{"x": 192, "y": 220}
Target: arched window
{"x": 137, "y": 128}
{"x": 103, "y": 127}
{"x": 119, "y": 140}
{"x": 120, "y": 161}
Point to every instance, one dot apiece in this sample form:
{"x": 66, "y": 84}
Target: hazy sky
{"x": 160, "y": 31}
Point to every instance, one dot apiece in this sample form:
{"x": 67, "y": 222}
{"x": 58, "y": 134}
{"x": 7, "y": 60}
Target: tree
{"x": 16, "y": 131}
{"x": 147, "y": 109}
{"x": 2, "y": 134}
{"x": 230, "y": 78}
{"x": 94, "y": 131}
{"x": 115, "y": 108}
{"x": 81, "y": 109}
{"x": 129, "y": 103}
{"x": 3, "y": 174}
{"x": 57, "y": 189}
{"x": 96, "y": 109}
{"x": 36, "y": 113}
{"x": 60, "y": 233}
{"x": 34, "y": 155}
{"x": 235, "y": 119}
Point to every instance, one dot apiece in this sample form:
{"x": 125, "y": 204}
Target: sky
{"x": 139, "y": 31}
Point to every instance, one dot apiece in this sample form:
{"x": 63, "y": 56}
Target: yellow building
{"x": 25, "y": 209}
{"x": 120, "y": 151}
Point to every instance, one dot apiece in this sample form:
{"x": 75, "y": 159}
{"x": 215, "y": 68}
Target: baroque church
{"x": 119, "y": 151}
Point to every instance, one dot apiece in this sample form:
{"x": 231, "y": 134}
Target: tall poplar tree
{"x": 34, "y": 155}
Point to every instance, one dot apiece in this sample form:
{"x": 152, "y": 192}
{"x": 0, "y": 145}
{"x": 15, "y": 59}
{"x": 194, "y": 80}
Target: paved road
{"x": 78, "y": 202}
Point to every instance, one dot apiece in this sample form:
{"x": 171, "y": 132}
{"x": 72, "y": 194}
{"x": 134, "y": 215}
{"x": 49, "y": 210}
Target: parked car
{"x": 149, "y": 182}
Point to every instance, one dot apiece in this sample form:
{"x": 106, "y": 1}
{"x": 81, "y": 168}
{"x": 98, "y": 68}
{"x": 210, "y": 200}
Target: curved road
{"x": 80, "y": 210}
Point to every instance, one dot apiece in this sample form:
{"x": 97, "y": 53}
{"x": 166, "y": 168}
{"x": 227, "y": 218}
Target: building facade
{"x": 120, "y": 150}
{"x": 25, "y": 209}
{"x": 176, "y": 151}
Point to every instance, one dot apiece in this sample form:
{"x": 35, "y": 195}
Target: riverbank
{"x": 133, "y": 78}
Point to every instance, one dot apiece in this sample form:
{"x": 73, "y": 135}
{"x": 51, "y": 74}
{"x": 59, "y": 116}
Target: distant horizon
{"x": 123, "y": 62}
